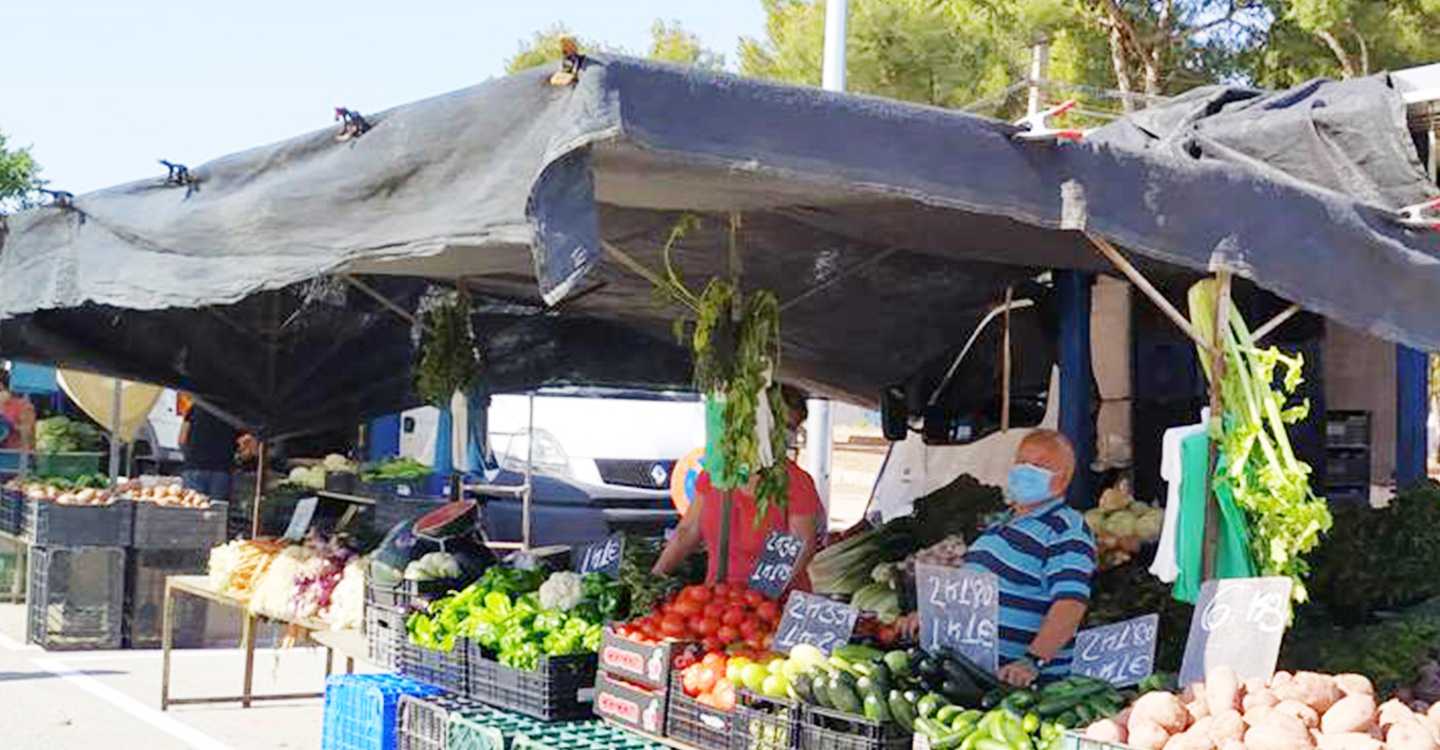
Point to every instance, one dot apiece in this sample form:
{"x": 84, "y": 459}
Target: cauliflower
{"x": 432, "y": 567}
{"x": 338, "y": 464}
{"x": 562, "y": 591}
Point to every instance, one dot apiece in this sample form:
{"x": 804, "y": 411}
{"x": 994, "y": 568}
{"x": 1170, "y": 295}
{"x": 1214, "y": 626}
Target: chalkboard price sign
{"x": 776, "y": 566}
{"x": 1238, "y": 623}
{"x": 814, "y": 620}
{"x": 602, "y": 557}
{"x": 1122, "y": 654}
{"x": 959, "y": 611}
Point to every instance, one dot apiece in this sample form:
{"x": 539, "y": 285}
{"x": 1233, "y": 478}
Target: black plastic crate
{"x": 562, "y": 688}
{"x": 425, "y": 722}
{"x": 12, "y": 511}
{"x": 145, "y": 573}
{"x": 386, "y": 514}
{"x": 384, "y": 634}
{"x": 409, "y": 594}
{"x": 834, "y": 730}
{"x": 1347, "y": 429}
{"x": 1348, "y": 496}
{"x": 47, "y": 524}
{"x": 445, "y": 670}
{"x": 1347, "y": 467}
{"x": 694, "y": 723}
{"x": 159, "y": 527}
{"x": 77, "y": 597}
{"x": 764, "y": 723}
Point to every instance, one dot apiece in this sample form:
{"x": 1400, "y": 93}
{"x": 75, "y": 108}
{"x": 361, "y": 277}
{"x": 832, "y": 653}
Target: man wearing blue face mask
{"x": 1044, "y": 556}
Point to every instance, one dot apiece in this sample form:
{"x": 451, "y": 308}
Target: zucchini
{"x": 1023, "y": 698}
{"x": 1056, "y": 706}
{"x": 947, "y": 714}
{"x": 865, "y": 686}
{"x": 962, "y": 726}
{"x": 964, "y": 693}
{"x": 931, "y": 728}
{"x": 973, "y": 740}
{"x": 856, "y": 652}
{"x": 1084, "y": 715}
{"x": 988, "y": 743}
{"x": 928, "y": 705}
{"x": 804, "y": 689}
{"x": 948, "y": 742}
{"x": 912, "y": 696}
{"x": 861, "y": 668}
{"x": 843, "y": 695}
{"x": 876, "y": 709}
{"x": 845, "y": 678}
{"x": 1057, "y": 689}
{"x": 839, "y": 662}
{"x": 898, "y": 662}
{"x": 981, "y": 678}
{"x": 880, "y": 674}
{"x": 1068, "y": 720}
{"x": 901, "y": 710}
{"x": 820, "y": 686}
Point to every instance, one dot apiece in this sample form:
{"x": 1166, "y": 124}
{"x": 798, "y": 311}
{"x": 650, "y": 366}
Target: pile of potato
{"x": 51, "y": 493}
{"x": 172, "y": 495}
{"x": 1300, "y": 711}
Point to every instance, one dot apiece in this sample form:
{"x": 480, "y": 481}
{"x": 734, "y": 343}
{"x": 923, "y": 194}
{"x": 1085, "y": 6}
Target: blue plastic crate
{"x": 361, "y": 710}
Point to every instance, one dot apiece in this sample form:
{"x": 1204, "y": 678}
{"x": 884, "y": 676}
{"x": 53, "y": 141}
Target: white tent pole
{"x": 115, "y": 408}
{"x": 833, "y": 76}
{"x": 819, "y": 430}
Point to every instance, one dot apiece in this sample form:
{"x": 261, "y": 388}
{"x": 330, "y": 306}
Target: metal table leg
{"x": 329, "y": 660}
{"x": 167, "y": 630}
{"x": 249, "y": 638}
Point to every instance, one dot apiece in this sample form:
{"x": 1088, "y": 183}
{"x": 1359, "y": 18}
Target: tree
{"x": 670, "y": 42}
{"x": 1345, "y": 39}
{"x": 19, "y": 176}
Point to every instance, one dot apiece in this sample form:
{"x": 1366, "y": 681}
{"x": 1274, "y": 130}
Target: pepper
{"x": 523, "y": 656}
{"x": 549, "y": 620}
{"x": 529, "y": 603}
{"x": 593, "y": 584}
{"x": 591, "y": 640}
{"x": 560, "y": 644}
{"x": 497, "y": 607}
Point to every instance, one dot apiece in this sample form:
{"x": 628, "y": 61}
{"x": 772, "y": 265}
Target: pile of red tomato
{"x": 705, "y": 681}
{"x": 717, "y": 616}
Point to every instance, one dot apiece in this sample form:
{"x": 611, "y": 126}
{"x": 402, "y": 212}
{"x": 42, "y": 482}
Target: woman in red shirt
{"x": 704, "y": 519}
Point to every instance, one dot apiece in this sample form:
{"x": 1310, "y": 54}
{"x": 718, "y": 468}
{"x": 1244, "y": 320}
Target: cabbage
{"x": 1149, "y": 525}
{"x": 1121, "y": 524}
{"x": 1095, "y": 519}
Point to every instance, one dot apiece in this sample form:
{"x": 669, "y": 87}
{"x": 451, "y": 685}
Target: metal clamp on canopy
{"x": 1037, "y": 129}
{"x": 352, "y": 124}
{"x": 1421, "y": 215}
{"x": 569, "y": 71}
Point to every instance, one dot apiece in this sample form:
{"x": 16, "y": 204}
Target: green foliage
{"x": 449, "y": 361}
{"x": 1380, "y": 557}
{"x": 1390, "y": 653}
{"x": 544, "y": 49}
{"x": 671, "y": 42}
{"x": 19, "y": 174}
{"x": 1373, "y": 37}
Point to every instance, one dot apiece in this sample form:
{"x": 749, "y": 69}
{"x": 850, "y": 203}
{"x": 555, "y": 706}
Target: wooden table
{"x": 348, "y": 642}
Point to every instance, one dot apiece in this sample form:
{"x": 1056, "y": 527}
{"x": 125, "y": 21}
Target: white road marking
{"x": 196, "y": 739}
{"x": 9, "y": 644}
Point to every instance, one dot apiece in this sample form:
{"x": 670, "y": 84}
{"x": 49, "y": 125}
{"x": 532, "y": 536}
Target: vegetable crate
{"x": 409, "y": 594}
{"x": 158, "y": 527}
{"x": 77, "y": 597}
{"x": 694, "y": 723}
{"x": 639, "y": 663}
{"x": 12, "y": 512}
{"x": 145, "y": 575}
{"x": 384, "y": 634}
{"x": 560, "y": 688}
{"x": 445, "y": 670}
{"x": 764, "y": 723}
{"x": 49, "y": 525}
{"x": 390, "y": 512}
{"x": 592, "y": 735}
{"x": 1078, "y": 741}
{"x": 361, "y": 710}
{"x": 834, "y": 730}
{"x": 630, "y": 705}
{"x": 492, "y": 730}
{"x": 425, "y": 722}
{"x": 68, "y": 465}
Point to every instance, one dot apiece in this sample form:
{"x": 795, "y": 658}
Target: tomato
{"x": 768, "y": 611}
{"x": 755, "y": 598}
{"x": 728, "y": 633}
{"x": 724, "y": 695}
{"x": 686, "y": 608}
{"x": 708, "y": 626}
{"x": 721, "y": 590}
{"x": 673, "y": 626}
{"x": 751, "y": 628}
{"x": 734, "y": 615}
{"x": 698, "y": 594}
{"x": 711, "y": 643}
{"x": 706, "y": 678}
{"x": 713, "y": 660}
{"x": 737, "y": 596}
{"x": 756, "y": 641}
{"x": 692, "y": 625}
{"x": 714, "y": 610}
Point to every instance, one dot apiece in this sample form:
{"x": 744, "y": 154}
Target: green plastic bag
{"x": 1232, "y": 559}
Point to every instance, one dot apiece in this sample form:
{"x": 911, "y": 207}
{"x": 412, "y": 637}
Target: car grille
{"x": 635, "y": 473}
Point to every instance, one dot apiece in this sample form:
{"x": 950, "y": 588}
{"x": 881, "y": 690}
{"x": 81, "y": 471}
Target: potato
{"x": 1353, "y": 684}
{"x": 1255, "y": 685}
{"x": 1162, "y": 708}
{"x": 1434, "y": 712}
{"x": 1349, "y": 741}
{"x": 1430, "y": 725}
{"x": 1234, "y": 745}
{"x": 1197, "y": 709}
{"x": 1393, "y": 711}
{"x": 1190, "y": 740}
{"x": 1355, "y": 713}
{"x": 1222, "y": 689}
{"x": 1257, "y": 715}
{"x": 1279, "y": 731}
{"x": 1193, "y": 692}
{"x": 1106, "y": 730}
{"x": 1145, "y": 734}
{"x": 1300, "y": 711}
{"x": 1409, "y": 735}
{"x": 1227, "y": 726}
{"x": 1280, "y": 678}
{"x": 1314, "y": 690}
{"x": 1262, "y": 697}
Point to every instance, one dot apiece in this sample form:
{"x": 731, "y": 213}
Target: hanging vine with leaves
{"x": 736, "y": 348}
{"x": 448, "y": 360}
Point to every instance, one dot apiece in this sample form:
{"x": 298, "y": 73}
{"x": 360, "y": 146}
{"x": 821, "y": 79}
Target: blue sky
{"x": 102, "y": 90}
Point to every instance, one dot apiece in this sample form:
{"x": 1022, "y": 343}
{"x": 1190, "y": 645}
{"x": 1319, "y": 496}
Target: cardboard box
{"x": 639, "y": 663}
{"x": 630, "y": 705}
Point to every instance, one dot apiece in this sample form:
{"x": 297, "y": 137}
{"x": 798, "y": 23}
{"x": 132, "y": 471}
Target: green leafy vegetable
{"x": 65, "y": 435}
{"x": 449, "y": 360}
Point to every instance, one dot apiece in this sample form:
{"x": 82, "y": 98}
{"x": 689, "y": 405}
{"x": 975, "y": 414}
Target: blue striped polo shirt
{"x": 1041, "y": 558}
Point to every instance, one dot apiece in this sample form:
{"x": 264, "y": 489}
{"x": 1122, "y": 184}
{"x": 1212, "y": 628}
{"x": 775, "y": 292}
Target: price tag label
{"x": 815, "y": 620}
{"x": 602, "y": 557}
{"x": 1238, "y": 623}
{"x": 960, "y": 611}
{"x": 300, "y": 519}
{"x": 776, "y": 566}
{"x": 1122, "y": 654}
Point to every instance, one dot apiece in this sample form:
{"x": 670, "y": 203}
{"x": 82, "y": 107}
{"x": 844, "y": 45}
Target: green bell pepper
{"x": 591, "y": 639}
{"x": 560, "y": 644}
{"x": 524, "y": 656}
{"x": 549, "y": 620}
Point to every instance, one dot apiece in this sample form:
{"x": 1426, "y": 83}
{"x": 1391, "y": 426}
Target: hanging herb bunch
{"x": 735, "y": 342}
{"x": 448, "y": 359}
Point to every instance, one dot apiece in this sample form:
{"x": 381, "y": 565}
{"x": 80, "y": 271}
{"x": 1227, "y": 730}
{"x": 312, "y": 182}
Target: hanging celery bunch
{"x": 448, "y": 359}
{"x": 1257, "y": 462}
{"x": 736, "y": 348}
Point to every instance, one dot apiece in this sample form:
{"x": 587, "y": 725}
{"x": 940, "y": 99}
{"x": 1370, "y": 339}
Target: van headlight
{"x": 549, "y": 457}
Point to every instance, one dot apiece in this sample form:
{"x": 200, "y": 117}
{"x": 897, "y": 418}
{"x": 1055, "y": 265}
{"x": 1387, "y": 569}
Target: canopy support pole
{"x": 1139, "y": 280}
{"x": 116, "y": 401}
{"x": 1211, "y": 544}
{"x": 1275, "y": 322}
{"x": 382, "y": 299}
{"x": 527, "y": 499}
{"x": 1077, "y": 415}
{"x": 1005, "y": 364}
{"x": 1412, "y": 407}
{"x": 259, "y": 492}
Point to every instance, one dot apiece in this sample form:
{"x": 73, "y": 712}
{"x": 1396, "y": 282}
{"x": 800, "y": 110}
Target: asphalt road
{"x": 109, "y": 700}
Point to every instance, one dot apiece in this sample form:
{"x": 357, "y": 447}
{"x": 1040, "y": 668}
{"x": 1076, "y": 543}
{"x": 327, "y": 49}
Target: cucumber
{"x": 1084, "y": 715}
{"x": 861, "y": 668}
{"x": 839, "y": 662}
{"x": 962, "y": 727}
{"x": 913, "y": 696}
{"x": 876, "y": 709}
{"x": 865, "y": 686}
{"x": 928, "y": 706}
{"x": 845, "y": 678}
{"x": 880, "y": 674}
{"x": 843, "y": 695}
{"x": 804, "y": 688}
{"x": 1023, "y": 698}
{"x": 931, "y": 728}
{"x": 1057, "y": 689}
{"x": 948, "y": 742}
{"x": 1056, "y": 706}
{"x": 855, "y": 652}
{"x": 898, "y": 662}
{"x": 988, "y": 743}
{"x": 971, "y": 741}
{"x": 947, "y": 714}
{"x": 901, "y": 710}
{"x": 820, "y": 686}
{"x": 1068, "y": 720}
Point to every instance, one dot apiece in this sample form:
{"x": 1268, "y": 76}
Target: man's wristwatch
{"x": 1036, "y": 659}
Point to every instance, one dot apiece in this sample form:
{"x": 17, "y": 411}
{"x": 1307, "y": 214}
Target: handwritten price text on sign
{"x": 814, "y": 620}
{"x": 960, "y": 611}
{"x": 1122, "y": 653}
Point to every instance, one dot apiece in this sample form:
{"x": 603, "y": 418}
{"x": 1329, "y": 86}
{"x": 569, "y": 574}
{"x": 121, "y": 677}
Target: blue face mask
{"x": 1030, "y": 484}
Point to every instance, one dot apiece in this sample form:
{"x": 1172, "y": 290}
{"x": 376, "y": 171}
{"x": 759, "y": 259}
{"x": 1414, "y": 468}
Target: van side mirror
{"x": 894, "y": 414}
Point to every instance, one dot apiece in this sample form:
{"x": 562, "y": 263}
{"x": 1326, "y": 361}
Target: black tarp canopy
{"x": 886, "y": 230}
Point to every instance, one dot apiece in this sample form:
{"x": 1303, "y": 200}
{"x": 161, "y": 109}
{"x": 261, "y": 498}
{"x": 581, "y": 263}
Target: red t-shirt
{"x": 19, "y": 413}
{"x": 747, "y": 540}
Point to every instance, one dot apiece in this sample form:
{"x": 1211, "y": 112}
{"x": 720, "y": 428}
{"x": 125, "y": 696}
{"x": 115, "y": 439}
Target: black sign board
{"x": 959, "y": 611}
{"x": 1122, "y": 654}
{"x": 814, "y": 620}
{"x": 1238, "y": 623}
{"x": 602, "y": 557}
{"x": 776, "y": 566}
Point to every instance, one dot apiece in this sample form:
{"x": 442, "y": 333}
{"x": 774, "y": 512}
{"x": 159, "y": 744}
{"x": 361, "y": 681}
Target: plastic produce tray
{"x": 694, "y": 723}
{"x": 425, "y": 722}
{"x": 384, "y": 634}
{"x": 447, "y": 671}
{"x": 1077, "y": 741}
{"x": 497, "y": 730}
{"x": 48, "y": 524}
{"x": 563, "y": 688}
{"x": 833, "y": 730}
{"x": 764, "y": 723}
{"x": 361, "y": 710}
{"x": 77, "y": 597}
{"x": 157, "y": 527}
{"x": 590, "y": 735}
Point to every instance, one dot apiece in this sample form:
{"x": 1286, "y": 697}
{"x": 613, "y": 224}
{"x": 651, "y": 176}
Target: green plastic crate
{"x": 495, "y": 730}
{"x": 590, "y": 735}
